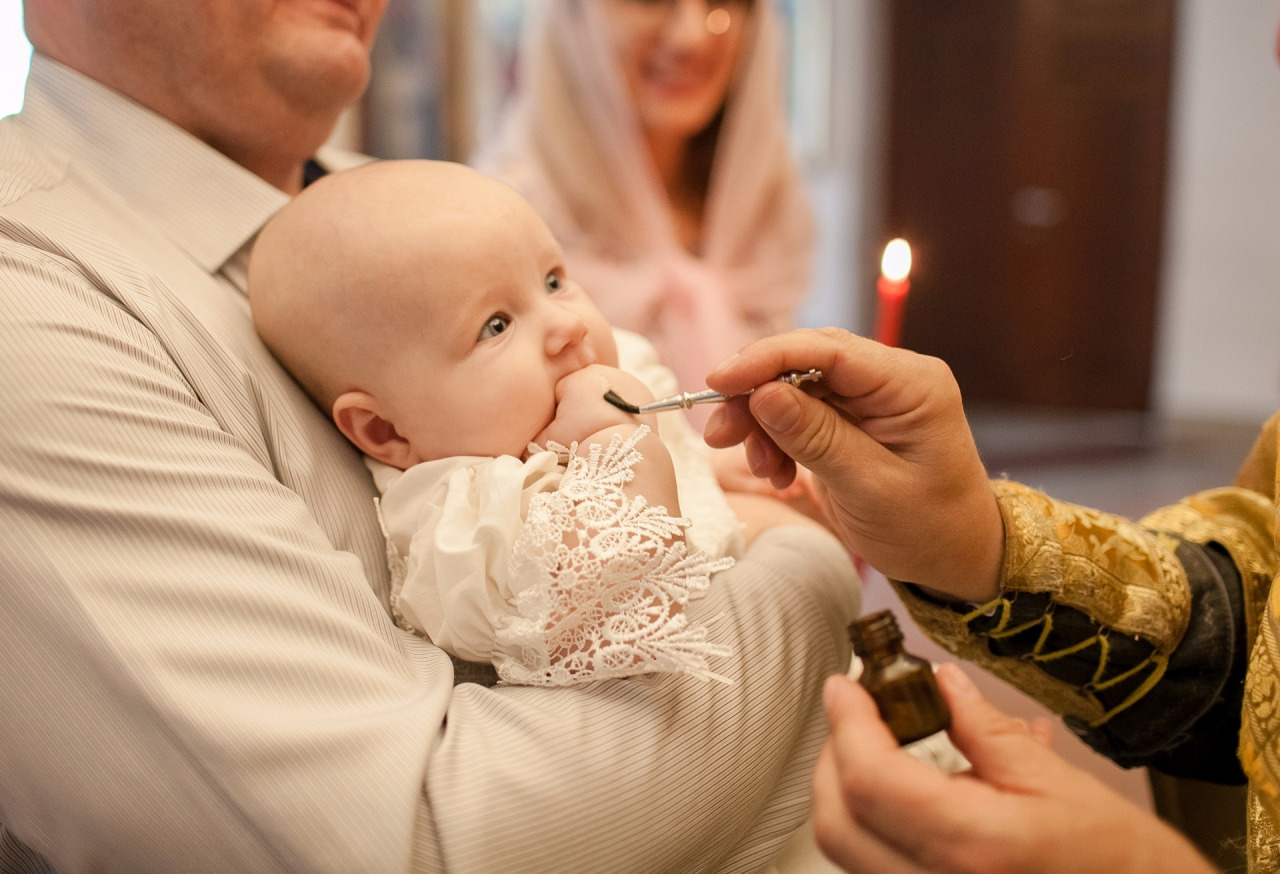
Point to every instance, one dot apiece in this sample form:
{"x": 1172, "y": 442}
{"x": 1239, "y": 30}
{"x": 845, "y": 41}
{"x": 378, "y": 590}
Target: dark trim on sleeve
{"x": 1188, "y": 723}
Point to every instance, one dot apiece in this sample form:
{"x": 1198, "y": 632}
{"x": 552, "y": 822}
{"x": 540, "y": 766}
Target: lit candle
{"x": 891, "y": 291}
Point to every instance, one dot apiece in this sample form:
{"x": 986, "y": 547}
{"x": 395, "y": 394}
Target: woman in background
{"x": 651, "y": 136}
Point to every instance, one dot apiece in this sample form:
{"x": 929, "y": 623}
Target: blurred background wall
{"x": 999, "y": 136}
{"x": 1220, "y": 304}
{"x": 1208, "y": 344}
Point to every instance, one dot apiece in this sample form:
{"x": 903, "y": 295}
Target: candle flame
{"x": 896, "y": 263}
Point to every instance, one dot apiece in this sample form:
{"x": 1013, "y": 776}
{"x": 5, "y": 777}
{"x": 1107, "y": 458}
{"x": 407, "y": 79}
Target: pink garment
{"x": 573, "y": 147}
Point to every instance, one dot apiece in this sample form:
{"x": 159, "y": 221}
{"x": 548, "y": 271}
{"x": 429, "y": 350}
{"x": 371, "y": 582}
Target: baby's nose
{"x": 567, "y": 332}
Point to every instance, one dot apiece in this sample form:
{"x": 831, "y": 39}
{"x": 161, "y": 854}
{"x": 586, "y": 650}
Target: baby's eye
{"x": 496, "y": 324}
{"x": 554, "y": 282}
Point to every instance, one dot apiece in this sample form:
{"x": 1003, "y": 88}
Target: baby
{"x": 530, "y": 523}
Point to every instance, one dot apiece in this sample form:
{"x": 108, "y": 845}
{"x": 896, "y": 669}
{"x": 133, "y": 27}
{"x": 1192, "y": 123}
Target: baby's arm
{"x": 585, "y": 417}
{"x": 602, "y": 582}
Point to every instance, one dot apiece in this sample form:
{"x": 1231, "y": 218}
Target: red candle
{"x": 891, "y": 291}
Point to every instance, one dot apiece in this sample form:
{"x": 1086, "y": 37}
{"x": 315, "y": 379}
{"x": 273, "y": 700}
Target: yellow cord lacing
{"x": 1158, "y": 662}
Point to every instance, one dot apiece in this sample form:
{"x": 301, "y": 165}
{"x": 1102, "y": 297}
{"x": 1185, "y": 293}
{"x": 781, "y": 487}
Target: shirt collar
{"x": 207, "y": 204}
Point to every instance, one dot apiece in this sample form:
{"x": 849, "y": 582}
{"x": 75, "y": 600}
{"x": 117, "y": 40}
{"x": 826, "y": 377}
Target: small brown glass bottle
{"x": 901, "y": 684}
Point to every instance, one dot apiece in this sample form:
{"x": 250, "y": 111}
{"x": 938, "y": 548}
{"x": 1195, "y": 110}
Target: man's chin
{"x": 329, "y": 77}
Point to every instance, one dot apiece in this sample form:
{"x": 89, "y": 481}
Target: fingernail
{"x": 777, "y": 411}
{"x": 957, "y": 681}
{"x": 833, "y": 690}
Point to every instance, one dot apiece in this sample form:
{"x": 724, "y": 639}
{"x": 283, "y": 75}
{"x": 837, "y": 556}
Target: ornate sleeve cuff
{"x": 1094, "y": 618}
{"x": 1122, "y": 581}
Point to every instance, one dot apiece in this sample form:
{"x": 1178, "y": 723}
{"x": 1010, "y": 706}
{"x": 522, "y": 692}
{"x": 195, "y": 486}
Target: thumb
{"x": 807, "y": 429}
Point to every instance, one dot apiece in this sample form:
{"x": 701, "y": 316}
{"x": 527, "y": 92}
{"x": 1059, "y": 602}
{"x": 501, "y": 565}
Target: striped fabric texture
{"x": 197, "y": 668}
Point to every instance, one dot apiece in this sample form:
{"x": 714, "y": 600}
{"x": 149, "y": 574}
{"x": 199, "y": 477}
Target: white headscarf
{"x": 573, "y": 146}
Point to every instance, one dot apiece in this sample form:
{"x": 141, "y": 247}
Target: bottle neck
{"x": 876, "y": 637}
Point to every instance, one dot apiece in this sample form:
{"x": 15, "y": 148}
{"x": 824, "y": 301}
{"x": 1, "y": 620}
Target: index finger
{"x": 851, "y": 366}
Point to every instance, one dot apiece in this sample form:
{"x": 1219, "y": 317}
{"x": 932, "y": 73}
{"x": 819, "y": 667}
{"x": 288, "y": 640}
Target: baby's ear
{"x": 356, "y": 415}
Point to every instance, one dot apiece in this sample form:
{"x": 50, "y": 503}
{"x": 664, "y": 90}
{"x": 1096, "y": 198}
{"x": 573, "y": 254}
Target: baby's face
{"x": 500, "y": 325}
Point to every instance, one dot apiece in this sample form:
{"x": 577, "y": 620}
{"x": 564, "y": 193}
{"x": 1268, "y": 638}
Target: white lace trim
{"x": 609, "y": 586}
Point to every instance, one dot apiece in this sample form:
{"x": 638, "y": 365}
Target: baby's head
{"x": 426, "y": 307}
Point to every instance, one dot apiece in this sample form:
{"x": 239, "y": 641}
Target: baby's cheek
{"x": 539, "y": 424}
{"x": 606, "y": 348}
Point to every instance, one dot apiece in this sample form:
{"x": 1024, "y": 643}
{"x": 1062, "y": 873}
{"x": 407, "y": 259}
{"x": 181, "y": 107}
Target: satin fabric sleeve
{"x": 556, "y": 578}
{"x": 453, "y": 524}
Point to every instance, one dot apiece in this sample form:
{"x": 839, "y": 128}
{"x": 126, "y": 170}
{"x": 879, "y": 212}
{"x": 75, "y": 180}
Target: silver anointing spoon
{"x": 685, "y": 400}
